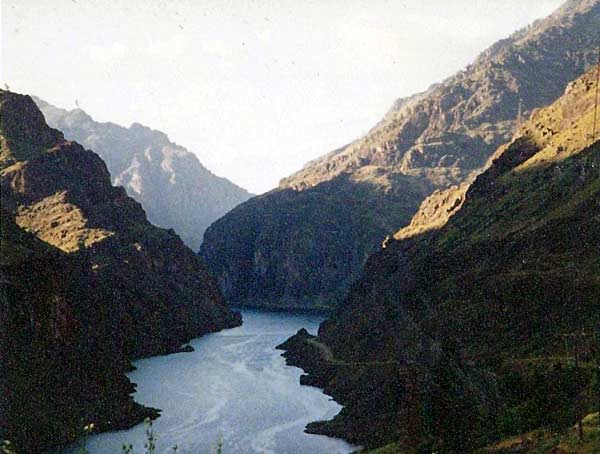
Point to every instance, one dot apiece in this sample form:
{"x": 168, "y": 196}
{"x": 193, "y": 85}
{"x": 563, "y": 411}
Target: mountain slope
{"x": 452, "y": 128}
{"x": 52, "y": 380}
{"x": 174, "y": 188}
{"x": 352, "y": 198}
{"x": 509, "y": 270}
{"x": 301, "y": 249}
{"x": 124, "y": 287}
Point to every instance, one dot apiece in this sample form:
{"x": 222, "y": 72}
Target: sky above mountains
{"x": 254, "y": 88}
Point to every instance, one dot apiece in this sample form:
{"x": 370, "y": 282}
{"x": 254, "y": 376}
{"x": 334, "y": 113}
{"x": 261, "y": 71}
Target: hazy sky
{"x": 254, "y": 88}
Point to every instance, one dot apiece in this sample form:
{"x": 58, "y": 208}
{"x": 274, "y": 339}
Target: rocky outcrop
{"x": 504, "y": 277}
{"x": 338, "y": 209}
{"x": 451, "y": 129}
{"x": 435, "y": 211}
{"x": 115, "y": 287}
{"x": 174, "y": 188}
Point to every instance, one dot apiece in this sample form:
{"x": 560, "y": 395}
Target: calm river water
{"x": 235, "y": 387}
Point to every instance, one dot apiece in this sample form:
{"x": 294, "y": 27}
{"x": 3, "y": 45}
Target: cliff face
{"x": 504, "y": 274}
{"x": 429, "y": 141}
{"x": 301, "y": 249}
{"x": 53, "y": 380}
{"x": 435, "y": 211}
{"x": 123, "y": 287}
{"x": 174, "y": 188}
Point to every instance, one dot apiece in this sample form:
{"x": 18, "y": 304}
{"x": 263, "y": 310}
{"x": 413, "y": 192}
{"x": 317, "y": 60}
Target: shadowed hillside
{"x": 344, "y": 204}
{"x": 462, "y": 310}
{"x": 54, "y": 379}
{"x": 102, "y": 286}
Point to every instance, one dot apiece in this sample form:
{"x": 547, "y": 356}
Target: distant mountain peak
{"x": 87, "y": 284}
{"x": 174, "y": 188}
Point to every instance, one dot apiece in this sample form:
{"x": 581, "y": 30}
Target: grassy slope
{"x": 536, "y": 442}
{"x": 514, "y": 268}
{"x": 533, "y": 226}
{"x": 527, "y": 233}
{"x": 545, "y": 442}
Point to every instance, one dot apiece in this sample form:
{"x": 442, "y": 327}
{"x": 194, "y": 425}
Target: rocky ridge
{"x": 174, "y": 188}
{"x": 338, "y": 209}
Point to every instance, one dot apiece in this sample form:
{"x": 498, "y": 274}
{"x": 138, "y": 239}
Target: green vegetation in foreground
{"x": 537, "y": 442}
{"x": 544, "y": 398}
{"x": 546, "y": 441}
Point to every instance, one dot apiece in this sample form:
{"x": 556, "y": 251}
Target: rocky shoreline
{"x": 337, "y": 379}
{"x": 128, "y": 414}
{"x": 299, "y": 352}
{"x": 138, "y": 413}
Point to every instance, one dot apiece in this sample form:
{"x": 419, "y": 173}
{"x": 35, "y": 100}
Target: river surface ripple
{"x": 235, "y": 387}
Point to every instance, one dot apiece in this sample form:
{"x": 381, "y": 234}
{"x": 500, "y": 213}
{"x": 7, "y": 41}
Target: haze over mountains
{"x": 174, "y": 188}
{"x": 338, "y": 209}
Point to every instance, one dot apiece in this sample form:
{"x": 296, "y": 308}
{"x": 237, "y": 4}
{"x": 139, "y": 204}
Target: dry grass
{"x": 59, "y": 223}
{"x": 546, "y": 442}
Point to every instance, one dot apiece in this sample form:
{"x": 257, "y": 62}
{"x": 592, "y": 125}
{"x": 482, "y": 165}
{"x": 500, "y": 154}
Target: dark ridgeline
{"x": 432, "y": 347}
{"x": 304, "y": 243}
{"x": 174, "y": 188}
{"x": 87, "y": 284}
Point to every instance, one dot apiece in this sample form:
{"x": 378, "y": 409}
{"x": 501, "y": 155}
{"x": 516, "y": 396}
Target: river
{"x": 235, "y": 387}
